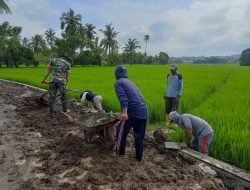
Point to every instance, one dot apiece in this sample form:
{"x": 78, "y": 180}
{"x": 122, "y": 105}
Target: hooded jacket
{"x": 129, "y": 95}
{"x": 200, "y": 127}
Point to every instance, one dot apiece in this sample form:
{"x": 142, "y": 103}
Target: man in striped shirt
{"x": 173, "y": 91}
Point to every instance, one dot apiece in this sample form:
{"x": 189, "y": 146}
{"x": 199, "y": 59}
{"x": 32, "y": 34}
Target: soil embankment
{"x": 37, "y": 152}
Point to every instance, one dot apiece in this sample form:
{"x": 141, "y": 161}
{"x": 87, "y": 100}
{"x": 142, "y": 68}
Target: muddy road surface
{"x": 37, "y": 152}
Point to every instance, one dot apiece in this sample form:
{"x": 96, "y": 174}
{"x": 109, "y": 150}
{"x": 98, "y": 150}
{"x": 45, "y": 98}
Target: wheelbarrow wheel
{"x": 88, "y": 137}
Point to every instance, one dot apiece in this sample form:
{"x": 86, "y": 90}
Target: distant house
{"x": 187, "y": 62}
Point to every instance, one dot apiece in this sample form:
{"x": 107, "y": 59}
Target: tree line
{"x": 245, "y": 57}
{"x": 79, "y": 41}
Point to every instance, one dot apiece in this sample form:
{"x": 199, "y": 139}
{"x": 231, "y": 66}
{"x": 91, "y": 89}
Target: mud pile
{"x": 37, "y": 152}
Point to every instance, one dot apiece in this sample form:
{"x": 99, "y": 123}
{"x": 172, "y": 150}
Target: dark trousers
{"x": 139, "y": 128}
{"x": 171, "y": 104}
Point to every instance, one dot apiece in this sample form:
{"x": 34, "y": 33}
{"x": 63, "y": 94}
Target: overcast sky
{"x": 178, "y": 27}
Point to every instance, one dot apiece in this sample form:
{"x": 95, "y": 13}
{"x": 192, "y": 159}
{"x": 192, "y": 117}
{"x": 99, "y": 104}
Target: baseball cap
{"x": 173, "y": 67}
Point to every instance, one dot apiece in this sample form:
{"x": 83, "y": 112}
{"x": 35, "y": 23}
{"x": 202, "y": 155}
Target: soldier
{"x": 60, "y": 69}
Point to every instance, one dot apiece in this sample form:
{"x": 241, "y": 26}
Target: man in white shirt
{"x": 93, "y": 98}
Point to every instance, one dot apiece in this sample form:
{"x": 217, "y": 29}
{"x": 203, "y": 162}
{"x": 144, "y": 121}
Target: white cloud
{"x": 130, "y": 18}
{"x": 33, "y": 16}
{"x": 211, "y": 27}
{"x": 190, "y": 27}
{"x": 204, "y": 28}
{"x": 29, "y": 27}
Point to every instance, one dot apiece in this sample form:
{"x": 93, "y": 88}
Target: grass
{"x": 151, "y": 80}
{"x": 228, "y": 112}
{"x": 218, "y": 93}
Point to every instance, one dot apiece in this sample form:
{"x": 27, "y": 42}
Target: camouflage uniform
{"x": 60, "y": 69}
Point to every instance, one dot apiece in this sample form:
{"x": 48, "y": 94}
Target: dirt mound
{"x": 160, "y": 136}
{"x": 37, "y": 152}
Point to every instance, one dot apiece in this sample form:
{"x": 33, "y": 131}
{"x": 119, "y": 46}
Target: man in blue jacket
{"x": 134, "y": 113}
{"x": 173, "y": 91}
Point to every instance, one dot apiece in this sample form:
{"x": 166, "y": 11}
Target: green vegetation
{"x": 217, "y": 93}
{"x": 4, "y": 7}
{"x": 228, "y": 112}
{"x": 78, "y": 40}
{"x": 150, "y": 79}
{"x": 245, "y": 57}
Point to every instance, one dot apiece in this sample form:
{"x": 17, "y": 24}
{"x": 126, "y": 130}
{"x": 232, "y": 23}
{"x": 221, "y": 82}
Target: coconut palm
{"x": 131, "y": 47}
{"x": 70, "y": 21}
{"x": 4, "y": 7}
{"x": 146, "y": 39}
{"x": 37, "y": 43}
{"x": 90, "y": 31}
{"x": 109, "y": 44}
{"x": 25, "y": 42}
{"x": 50, "y": 37}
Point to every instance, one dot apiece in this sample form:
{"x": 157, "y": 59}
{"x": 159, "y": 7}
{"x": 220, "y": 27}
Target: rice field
{"x": 200, "y": 81}
{"x": 228, "y": 111}
{"x": 218, "y": 93}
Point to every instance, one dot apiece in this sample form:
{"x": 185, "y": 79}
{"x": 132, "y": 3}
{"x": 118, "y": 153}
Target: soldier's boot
{"x": 167, "y": 120}
{"x": 52, "y": 114}
{"x": 65, "y": 107}
{"x": 51, "y": 109}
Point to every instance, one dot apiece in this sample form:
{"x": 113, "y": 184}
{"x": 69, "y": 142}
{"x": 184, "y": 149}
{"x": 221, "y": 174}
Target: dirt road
{"x": 37, "y": 152}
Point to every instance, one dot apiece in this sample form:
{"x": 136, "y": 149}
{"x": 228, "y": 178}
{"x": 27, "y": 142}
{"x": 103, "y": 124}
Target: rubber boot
{"x": 51, "y": 110}
{"x": 167, "y": 120}
{"x": 65, "y": 107}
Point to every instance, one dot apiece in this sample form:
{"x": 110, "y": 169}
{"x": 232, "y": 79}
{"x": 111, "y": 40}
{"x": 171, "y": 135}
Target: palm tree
{"x": 4, "y": 7}
{"x": 96, "y": 43}
{"x": 25, "y": 42}
{"x": 50, "y": 37}
{"x": 131, "y": 47}
{"x": 37, "y": 43}
{"x": 90, "y": 31}
{"x": 146, "y": 39}
{"x": 109, "y": 44}
{"x": 70, "y": 21}
{"x": 82, "y": 38}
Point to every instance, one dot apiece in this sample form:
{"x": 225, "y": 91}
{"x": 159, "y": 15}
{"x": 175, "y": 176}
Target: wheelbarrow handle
{"x": 114, "y": 115}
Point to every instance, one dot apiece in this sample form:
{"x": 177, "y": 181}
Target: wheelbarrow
{"x": 37, "y": 98}
{"x": 99, "y": 123}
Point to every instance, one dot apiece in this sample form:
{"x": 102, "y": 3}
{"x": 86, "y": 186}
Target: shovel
{"x": 77, "y": 90}
{"x": 172, "y": 145}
